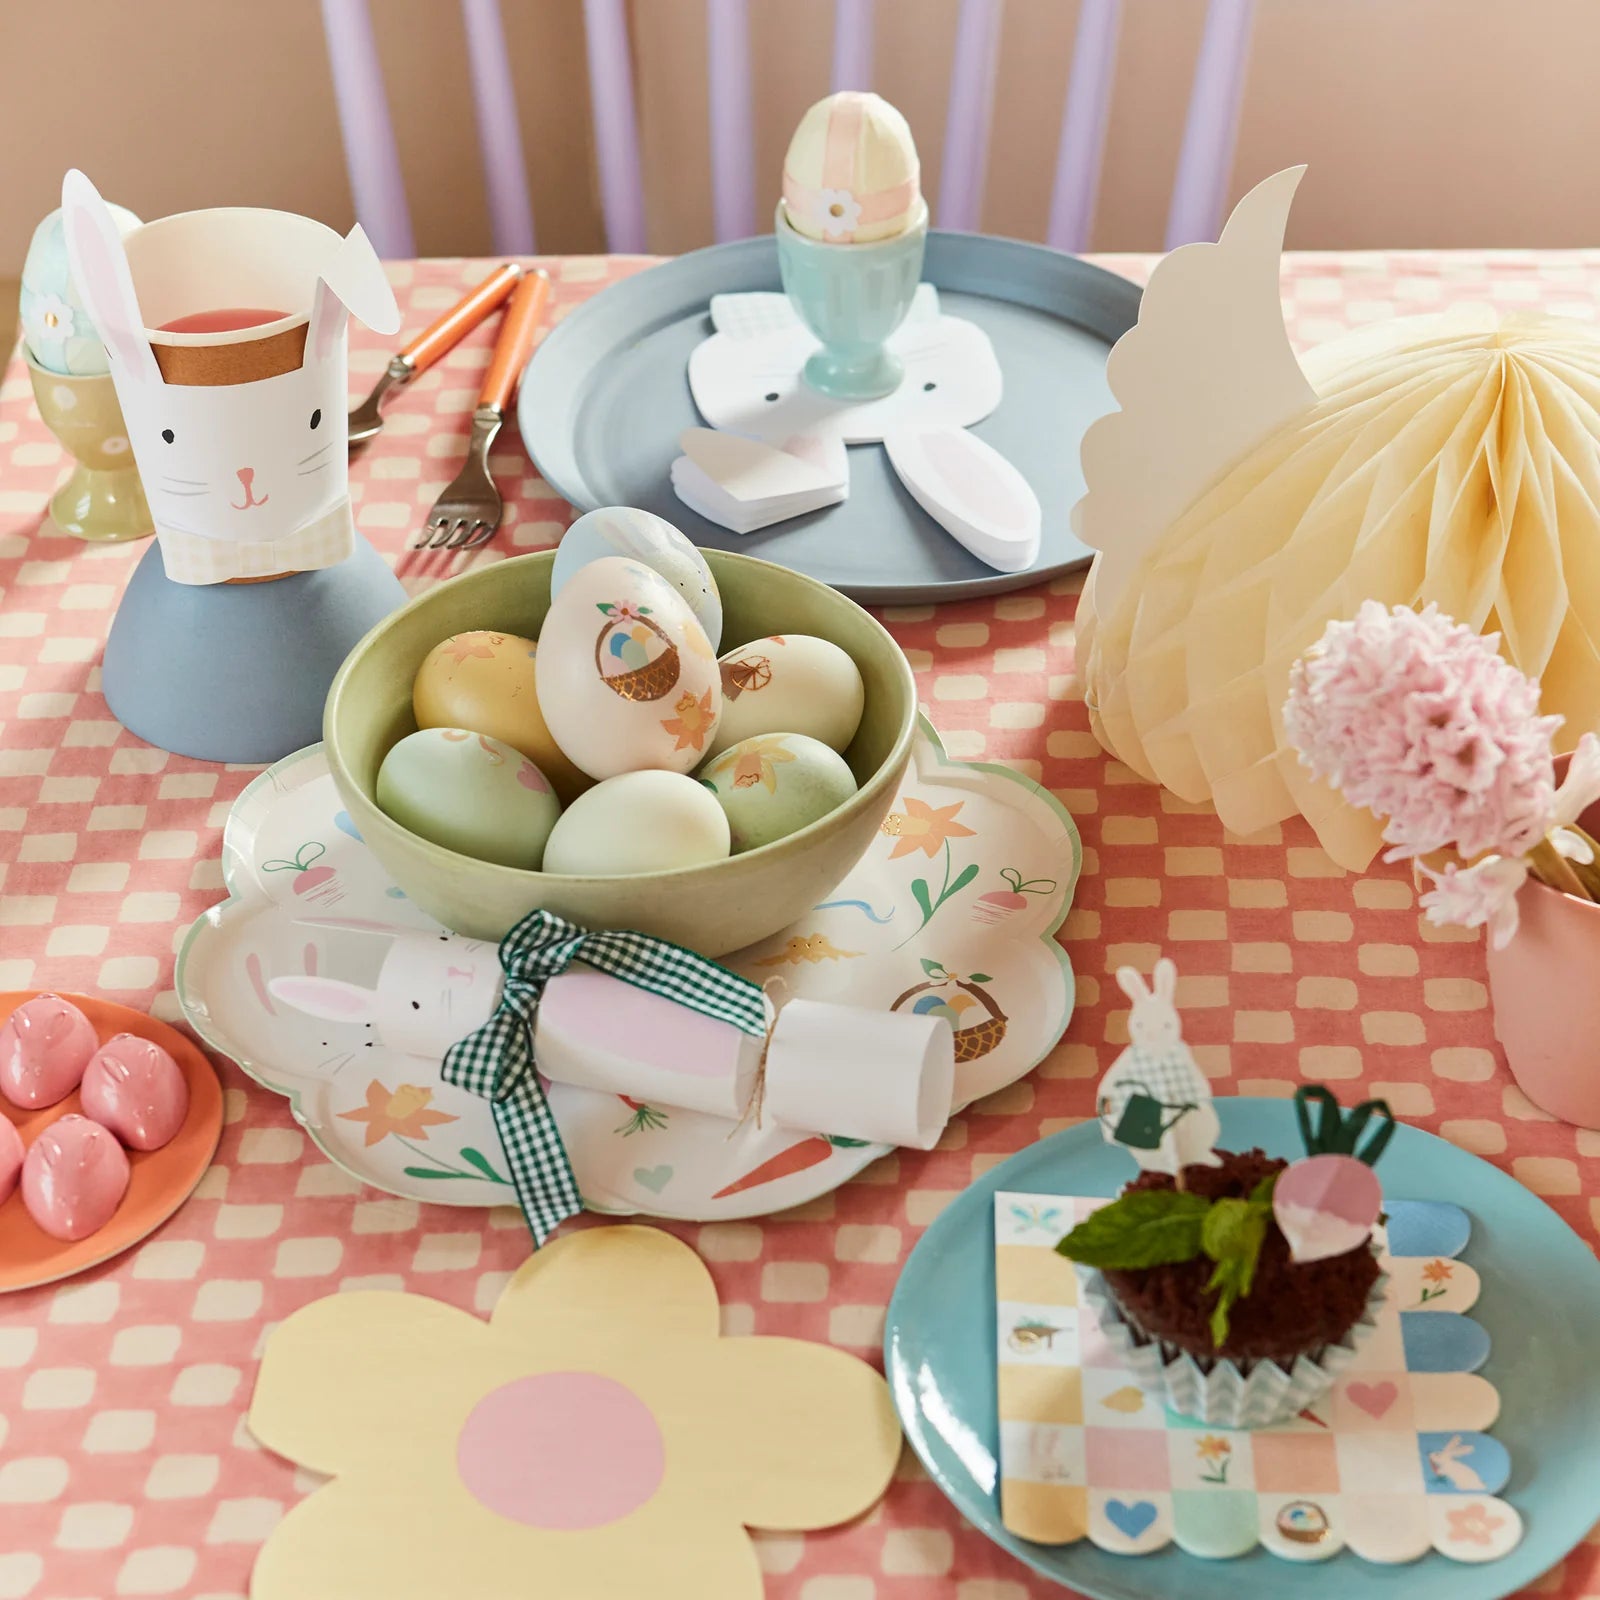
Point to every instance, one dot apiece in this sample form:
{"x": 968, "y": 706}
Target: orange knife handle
{"x": 515, "y": 343}
{"x": 461, "y": 318}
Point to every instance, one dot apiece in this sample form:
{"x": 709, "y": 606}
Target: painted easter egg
{"x": 12, "y": 1154}
{"x": 471, "y": 794}
{"x": 775, "y": 784}
{"x": 626, "y": 675}
{"x": 653, "y": 542}
{"x": 135, "y": 1088}
{"x": 55, "y": 326}
{"x": 484, "y": 681}
{"x": 44, "y": 1047}
{"x": 74, "y": 1177}
{"x": 790, "y": 683}
{"x": 851, "y": 175}
{"x": 638, "y": 822}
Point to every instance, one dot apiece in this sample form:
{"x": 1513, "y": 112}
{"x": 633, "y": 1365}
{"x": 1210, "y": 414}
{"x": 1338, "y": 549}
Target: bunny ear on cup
{"x": 971, "y": 491}
{"x": 99, "y": 266}
{"x": 1131, "y": 984}
{"x": 352, "y": 280}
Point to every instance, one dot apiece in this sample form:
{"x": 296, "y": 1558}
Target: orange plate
{"x": 160, "y": 1180}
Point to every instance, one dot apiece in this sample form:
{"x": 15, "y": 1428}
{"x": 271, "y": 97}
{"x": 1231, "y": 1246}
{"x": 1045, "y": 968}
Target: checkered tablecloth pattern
{"x": 125, "y": 1468}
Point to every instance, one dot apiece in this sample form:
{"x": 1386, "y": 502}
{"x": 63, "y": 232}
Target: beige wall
{"x": 1426, "y": 122}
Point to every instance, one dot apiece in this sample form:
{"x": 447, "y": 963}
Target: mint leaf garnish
{"x": 1142, "y": 1228}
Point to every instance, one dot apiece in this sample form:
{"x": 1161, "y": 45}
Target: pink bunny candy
{"x": 44, "y": 1047}
{"x": 12, "y": 1155}
{"x": 74, "y": 1177}
{"x": 135, "y": 1088}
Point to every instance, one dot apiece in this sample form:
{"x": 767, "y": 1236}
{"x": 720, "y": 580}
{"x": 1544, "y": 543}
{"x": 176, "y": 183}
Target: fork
{"x": 467, "y": 513}
{"x": 448, "y": 331}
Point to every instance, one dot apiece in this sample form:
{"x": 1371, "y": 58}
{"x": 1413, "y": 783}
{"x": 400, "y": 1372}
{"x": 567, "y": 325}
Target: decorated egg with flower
{"x": 55, "y": 327}
{"x": 775, "y": 784}
{"x": 852, "y": 175}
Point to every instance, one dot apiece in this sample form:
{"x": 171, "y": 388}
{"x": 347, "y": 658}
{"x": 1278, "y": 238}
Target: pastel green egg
{"x": 471, "y": 794}
{"x": 774, "y": 784}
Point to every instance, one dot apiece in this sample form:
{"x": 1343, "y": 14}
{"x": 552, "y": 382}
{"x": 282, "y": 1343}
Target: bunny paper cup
{"x": 225, "y": 331}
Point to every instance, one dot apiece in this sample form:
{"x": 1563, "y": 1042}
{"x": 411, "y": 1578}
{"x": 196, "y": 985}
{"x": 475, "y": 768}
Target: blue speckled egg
{"x": 653, "y": 542}
{"x": 775, "y": 784}
{"x": 55, "y": 327}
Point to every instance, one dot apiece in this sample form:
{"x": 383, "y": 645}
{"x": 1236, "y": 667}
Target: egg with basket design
{"x": 626, "y": 675}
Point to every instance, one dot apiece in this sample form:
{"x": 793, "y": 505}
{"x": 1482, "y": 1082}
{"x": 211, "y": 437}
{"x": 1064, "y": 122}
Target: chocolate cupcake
{"x": 1230, "y": 1299}
{"x": 1293, "y": 1309}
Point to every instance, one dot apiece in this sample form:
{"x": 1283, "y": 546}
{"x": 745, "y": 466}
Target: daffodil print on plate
{"x": 596, "y": 1438}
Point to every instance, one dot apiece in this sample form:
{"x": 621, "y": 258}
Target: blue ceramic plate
{"x": 1540, "y": 1304}
{"x": 607, "y": 395}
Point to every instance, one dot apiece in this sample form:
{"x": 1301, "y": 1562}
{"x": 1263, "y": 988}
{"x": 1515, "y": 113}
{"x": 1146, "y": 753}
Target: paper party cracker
{"x": 1395, "y": 1461}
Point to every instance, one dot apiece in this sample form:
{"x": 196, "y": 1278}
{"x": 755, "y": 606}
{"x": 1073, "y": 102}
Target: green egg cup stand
{"x": 238, "y": 672}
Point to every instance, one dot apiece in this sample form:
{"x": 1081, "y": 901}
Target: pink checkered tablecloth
{"x": 125, "y": 1467}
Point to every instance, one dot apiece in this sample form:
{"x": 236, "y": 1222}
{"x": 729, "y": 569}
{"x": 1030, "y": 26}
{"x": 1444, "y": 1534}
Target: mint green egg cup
{"x": 852, "y": 297}
{"x": 713, "y": 909}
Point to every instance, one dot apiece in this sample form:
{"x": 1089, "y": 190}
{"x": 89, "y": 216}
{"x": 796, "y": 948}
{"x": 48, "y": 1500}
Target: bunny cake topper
{"x": 1155, "y": 1101}
{"x": 239, "y": 432}
{"x": 1242, "y": 498}
{"x": 775, "y": 448}
{"x": 225, "y": 332}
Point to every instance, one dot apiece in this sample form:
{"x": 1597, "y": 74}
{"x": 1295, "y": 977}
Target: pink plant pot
{"x": 1546, "y": 998}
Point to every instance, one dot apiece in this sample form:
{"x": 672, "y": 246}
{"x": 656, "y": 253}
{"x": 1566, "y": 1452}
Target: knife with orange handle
{"x": 434, "y": 340}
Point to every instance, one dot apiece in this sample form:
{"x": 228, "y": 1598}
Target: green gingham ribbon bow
{"x": 498, "y": 1063}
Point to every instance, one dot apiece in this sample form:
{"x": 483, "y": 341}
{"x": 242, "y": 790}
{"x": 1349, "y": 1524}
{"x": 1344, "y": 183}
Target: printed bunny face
{"x": 233, "y": 463}
{"x": 244, "y": 461}
{"x": 432, "y": 991}
{"x": 754, "y": 385}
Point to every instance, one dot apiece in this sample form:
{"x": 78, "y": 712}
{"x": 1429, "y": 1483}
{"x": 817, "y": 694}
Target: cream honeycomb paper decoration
{"x": 1240, "y": 499}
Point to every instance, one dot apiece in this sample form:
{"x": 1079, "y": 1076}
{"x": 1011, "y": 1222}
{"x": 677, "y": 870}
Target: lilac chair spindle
{"x": 966, "y": 123}
{"x": 371, "y": 156}
{"x": 499, "y": 128}
{"x": 1200, "y": 190}
{"x": 852, "y": 44}
{"x": 616, "y": 131}
{"x": 1081, "y": 154}
{"x": 732, "y": 132}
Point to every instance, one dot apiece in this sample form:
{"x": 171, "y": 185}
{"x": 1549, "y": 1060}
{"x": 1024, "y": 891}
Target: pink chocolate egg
{"x": 137, "y": 1090}
{"x": 44, "y": 1047}
{"x": 74, "y": 1178}
{"x": 11, "y": 1154}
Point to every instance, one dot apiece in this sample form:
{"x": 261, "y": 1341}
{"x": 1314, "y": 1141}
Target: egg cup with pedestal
{"x": 852, "y": 297}
{"x": 102, "y": 499}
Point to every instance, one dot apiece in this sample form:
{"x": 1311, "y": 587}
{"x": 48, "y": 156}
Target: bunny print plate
{"x": 605, "y": 419}
{"x": 952, "y": 912}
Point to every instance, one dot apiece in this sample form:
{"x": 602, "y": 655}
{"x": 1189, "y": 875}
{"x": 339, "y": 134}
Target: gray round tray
{"x": 607, "y": 394}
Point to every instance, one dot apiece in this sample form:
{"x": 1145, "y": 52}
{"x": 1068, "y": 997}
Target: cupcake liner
{"x": 1221, "y": 1393}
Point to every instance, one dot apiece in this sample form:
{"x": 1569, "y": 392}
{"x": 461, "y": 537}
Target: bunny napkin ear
{"x": 328, "y": 998}
{"x": 352, "y": 280}
{"x": 1166, "y": 980}
{"x": 99, "y": 267}
{"x": 971, "y": 491}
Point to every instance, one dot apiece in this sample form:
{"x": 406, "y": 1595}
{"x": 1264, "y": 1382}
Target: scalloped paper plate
{"x": 954, "y": 907}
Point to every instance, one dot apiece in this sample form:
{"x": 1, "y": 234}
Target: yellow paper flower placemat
{"x": 596, "y": 1439}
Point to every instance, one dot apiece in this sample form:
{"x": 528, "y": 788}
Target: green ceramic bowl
{"x": 712, "y": 909}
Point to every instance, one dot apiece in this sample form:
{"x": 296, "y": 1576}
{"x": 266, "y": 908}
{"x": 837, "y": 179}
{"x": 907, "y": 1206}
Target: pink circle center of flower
{"x": 561, "y": 1450}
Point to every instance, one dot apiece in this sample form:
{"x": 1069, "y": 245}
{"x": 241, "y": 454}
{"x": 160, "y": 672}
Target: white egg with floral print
{"x": 626, "y": 677}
